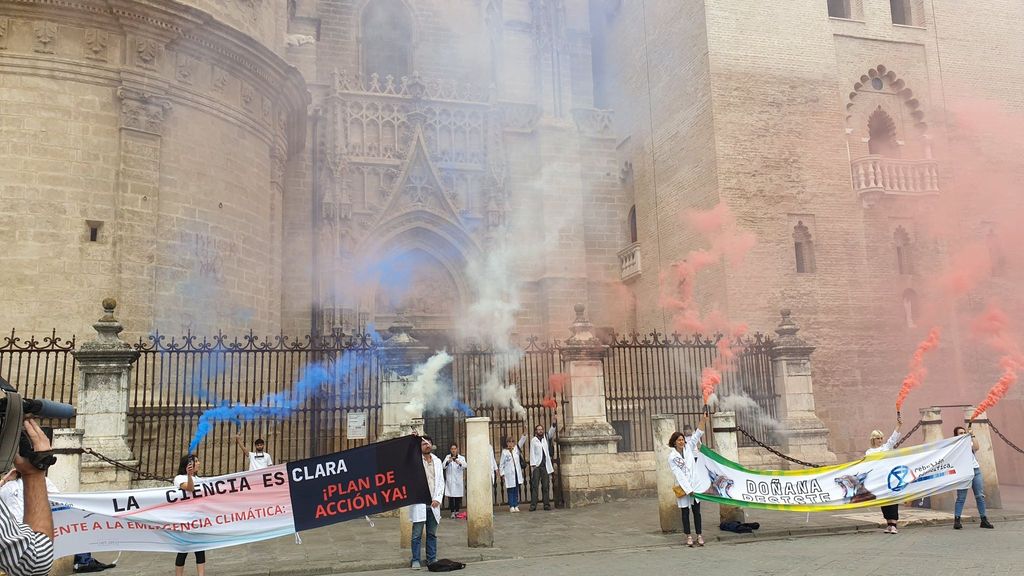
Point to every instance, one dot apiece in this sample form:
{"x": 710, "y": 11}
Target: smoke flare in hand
{"x": 1002, "y": 386}
{"x": 917, "y": 371}
{"x": 994, "y": 324}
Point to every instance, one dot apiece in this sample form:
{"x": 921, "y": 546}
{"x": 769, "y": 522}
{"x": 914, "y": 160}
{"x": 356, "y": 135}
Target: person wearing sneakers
{"x": 977, "y": 484}
{"x": 891, "y": 513}
{"x": 681, "y": 461}
{"x": 424, "y": 516}
{"x": 511, "y": 473}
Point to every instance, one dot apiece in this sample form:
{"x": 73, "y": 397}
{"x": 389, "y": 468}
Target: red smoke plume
{"x": 549, "y": 402}
{"x": 993, "y": 324}
{"x": 917, "y": 370}
{"x": 556, "y": 382}
{"x": 729, "y": 244}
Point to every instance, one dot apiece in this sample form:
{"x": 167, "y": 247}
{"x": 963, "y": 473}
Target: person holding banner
{"x": 186, "y": 481}
{"x": 418, "y": 513}
{"x": 681, "y": 461}
{"x": 454, "y": 479}
{"x": 511, "y": 473}
{"x": 891, "y": 513}
{"x": 977, "y": 484}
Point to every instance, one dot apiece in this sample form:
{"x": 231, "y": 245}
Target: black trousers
{"x": 179, "y": 560}
{"x": 454, "y": 503}
{"x": 696, "y": 518}
{"x": 540, "y": 477}
{"x": 891, "y": 512}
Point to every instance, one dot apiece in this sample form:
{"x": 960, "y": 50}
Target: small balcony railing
{"x": 875, "y": 176}
{"x": 629, "y": 262}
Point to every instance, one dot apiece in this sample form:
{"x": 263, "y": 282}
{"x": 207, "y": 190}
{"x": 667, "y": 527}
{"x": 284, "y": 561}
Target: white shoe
{"x": 415, "y": 566}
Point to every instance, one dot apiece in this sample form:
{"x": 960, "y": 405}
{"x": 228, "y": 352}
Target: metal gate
{"x": 175, "y": 381}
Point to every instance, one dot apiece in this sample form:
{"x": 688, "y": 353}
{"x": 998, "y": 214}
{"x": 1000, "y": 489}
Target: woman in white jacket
{"x": 891, "y": 513}
{"x": 681, "y": 460}
{"x": 511, "y": 473}
{"x": 454, "y": 479}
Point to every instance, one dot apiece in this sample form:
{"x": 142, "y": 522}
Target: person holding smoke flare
{"x": 891, "y": 513}
{"x": 977, "y": 484}
{"x": 186, "y": 480}
{"x": 681, "y": 461}
{"x": 454, "y": 478}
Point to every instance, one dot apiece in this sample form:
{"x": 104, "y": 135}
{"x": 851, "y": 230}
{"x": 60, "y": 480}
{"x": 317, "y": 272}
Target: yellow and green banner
{"x": 876, "y": 480}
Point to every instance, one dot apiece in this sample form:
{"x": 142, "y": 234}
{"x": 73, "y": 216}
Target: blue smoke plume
{"x": 463, "y": 407}
{"x": 278, "y": 406}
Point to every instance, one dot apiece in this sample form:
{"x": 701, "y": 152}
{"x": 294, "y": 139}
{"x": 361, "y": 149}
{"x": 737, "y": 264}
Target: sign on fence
{"x": 244, "y": 507}
{"x": 356, "y": 422}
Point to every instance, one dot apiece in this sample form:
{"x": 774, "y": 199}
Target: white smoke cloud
{"x": 742, "y": 404}
{"x": 427, "y": 391}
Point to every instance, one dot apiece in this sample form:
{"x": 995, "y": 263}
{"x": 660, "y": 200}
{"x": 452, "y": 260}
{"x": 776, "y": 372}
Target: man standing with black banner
{"x": 418, "y": 513}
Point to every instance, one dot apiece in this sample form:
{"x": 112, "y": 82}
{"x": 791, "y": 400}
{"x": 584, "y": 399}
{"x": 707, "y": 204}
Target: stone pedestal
{"x": 806, "y": 436}
{"x": 588, "y": 437}
{"x": 65, "y": 473}
{"x": 668, "y": 510}
{"x": 723, "y": 426}
{"x": 931, "y": 428}
{"x": 479, "y": 496}
{"x": 104, "y": 367}
{"x": 400, "y": 355}
{"x": 986, "y": 457}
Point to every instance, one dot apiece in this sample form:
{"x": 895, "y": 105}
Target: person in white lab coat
{"x": 511, "y": 473}
{"x": 454, "y": 478}
{"x": 891, "y": 513}
{"x": 681, "y": 461}
{"x": 419, "y": 514}
{"x": 540, "y": 464}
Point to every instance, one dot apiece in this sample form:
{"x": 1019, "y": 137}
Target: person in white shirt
{"x": 454, "y": 478}
{"x": 977, "y": 484}
{"x": 187, "y": 481}
{"x": 681, "y": 461}
{"x": 541, "y": 467}
{"x": 511, "y": 473}
{"x": 258, "y": 458}
{"x": 418, "y": 513}
{"x": 891, "y": 513}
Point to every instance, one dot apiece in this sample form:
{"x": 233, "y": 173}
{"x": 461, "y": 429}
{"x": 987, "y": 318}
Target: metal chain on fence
{"x": 909, "y": 434}
{"x": 1005, "y": 439}
{"x": 774, "y": 451}
{"x": 142, "y": 474}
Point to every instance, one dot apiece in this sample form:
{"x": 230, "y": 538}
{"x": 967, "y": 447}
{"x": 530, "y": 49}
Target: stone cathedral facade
{"x": 304, "y": 166}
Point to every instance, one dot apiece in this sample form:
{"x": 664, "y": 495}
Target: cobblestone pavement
{"x": 609, "y": 530}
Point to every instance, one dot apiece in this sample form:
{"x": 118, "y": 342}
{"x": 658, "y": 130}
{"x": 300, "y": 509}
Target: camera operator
{"x": 26, "y": 549}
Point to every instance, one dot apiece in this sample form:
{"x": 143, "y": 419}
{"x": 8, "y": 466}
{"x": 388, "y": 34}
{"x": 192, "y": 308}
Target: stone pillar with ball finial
{"x": 587, "y": 438}
{"x": 104, "y": 367}
{"x": 804, "y": 434}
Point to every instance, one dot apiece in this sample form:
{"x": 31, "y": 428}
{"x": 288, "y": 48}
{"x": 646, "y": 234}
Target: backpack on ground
{"x": 445, "y": 565}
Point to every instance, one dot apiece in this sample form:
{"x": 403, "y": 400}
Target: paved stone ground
{"x": 924, "y": 551}
{"x": 623, "y": 526}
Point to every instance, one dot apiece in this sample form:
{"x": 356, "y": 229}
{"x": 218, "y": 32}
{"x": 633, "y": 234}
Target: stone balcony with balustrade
{"x": 629, "y": 262}
{"x": 876, "y": 176}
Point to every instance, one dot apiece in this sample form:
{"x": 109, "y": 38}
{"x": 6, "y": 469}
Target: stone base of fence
{"x": 594, "y": 478}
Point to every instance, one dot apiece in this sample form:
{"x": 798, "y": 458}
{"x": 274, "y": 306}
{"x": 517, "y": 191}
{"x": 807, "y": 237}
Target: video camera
{"x": 13, "y": 409}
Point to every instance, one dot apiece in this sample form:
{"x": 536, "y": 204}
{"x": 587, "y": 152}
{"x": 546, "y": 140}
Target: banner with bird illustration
{"x": 878, "y": 479}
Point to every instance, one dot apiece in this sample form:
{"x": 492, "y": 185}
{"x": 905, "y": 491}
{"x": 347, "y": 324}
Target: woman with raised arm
{"x": 891, "y": 513}
{"x": 186, "y": 480}
{"x": 681, "y": 461}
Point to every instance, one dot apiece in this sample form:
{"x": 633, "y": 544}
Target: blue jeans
{"x": 979, "y": 495}
{"x": 417, "y": 537}
{"x": 513, "y": 496}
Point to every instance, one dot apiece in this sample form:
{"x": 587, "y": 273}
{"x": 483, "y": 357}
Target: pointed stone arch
{"x": 881, "y": 78}
{"x": 882, "y": 133}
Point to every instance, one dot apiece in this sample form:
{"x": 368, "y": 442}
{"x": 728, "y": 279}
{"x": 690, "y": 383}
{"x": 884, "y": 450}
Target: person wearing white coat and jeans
{"x": 541, "y": 468}
{"x": 511, "y": 473}
{"x": 681, "y": 460}
{"x": 419, "y": 514}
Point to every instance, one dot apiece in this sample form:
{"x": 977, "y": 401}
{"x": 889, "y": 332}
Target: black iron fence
{"x": 41, "y": 368}
{"x": 658, "y": 374}
{"x": 175, "y": 381}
